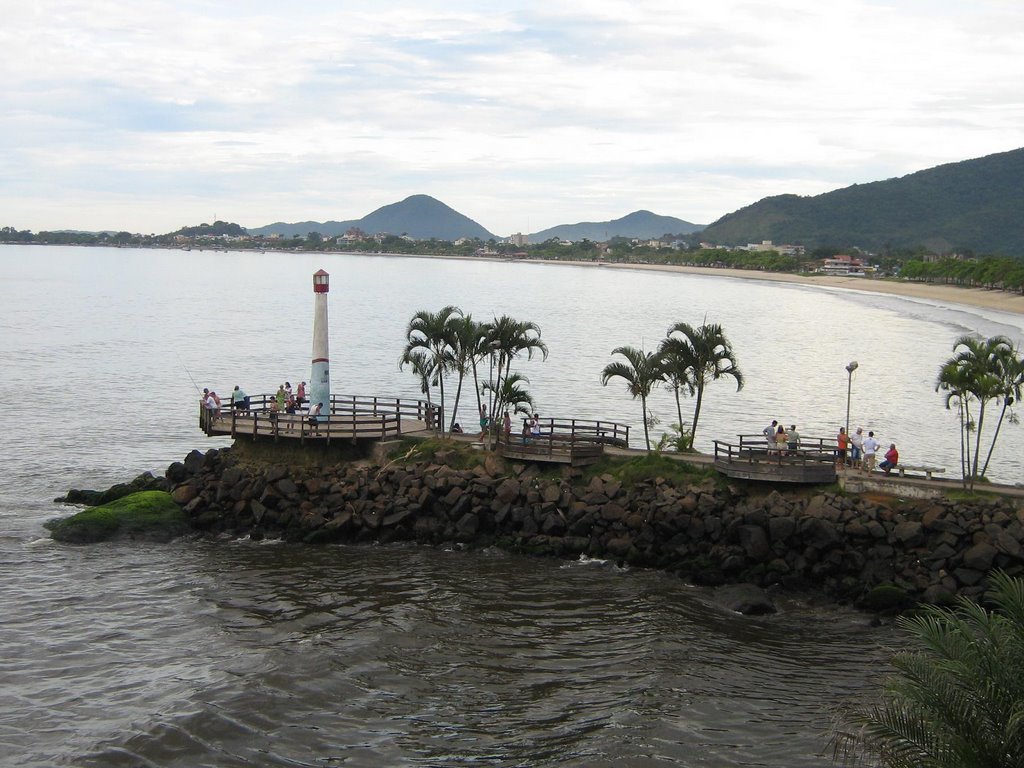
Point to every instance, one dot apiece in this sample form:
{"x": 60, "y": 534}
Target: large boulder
{"x": 748, "y": 599}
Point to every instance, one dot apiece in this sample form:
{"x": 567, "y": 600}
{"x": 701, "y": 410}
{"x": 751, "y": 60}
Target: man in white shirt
{"x": 870, "y": 449}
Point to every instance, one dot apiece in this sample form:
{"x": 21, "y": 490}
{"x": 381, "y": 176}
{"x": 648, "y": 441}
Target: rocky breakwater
{"x": 877, "y": 552}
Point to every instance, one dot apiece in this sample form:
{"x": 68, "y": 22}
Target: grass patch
{"x": 975, "y": 495}
{"x": 150, "y": 514}
{"x": 456, "y": 453}
{"x": 649, "y": 466}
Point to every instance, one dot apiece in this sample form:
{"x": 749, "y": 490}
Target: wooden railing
{"x": 755, "y": 448}
{"x": 351, "y": 417}
{"x": 576, "y": 431}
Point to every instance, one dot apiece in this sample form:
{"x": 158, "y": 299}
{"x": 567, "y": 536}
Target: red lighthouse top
{"x": 320, "y": 282}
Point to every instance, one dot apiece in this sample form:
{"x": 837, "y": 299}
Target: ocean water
{"x": 232, "y": 653}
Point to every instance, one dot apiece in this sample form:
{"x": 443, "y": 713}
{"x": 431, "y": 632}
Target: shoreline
{"x": 979, "y": 298}
{"x": 1000, "y": 301}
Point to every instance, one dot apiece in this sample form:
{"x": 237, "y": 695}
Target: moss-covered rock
{"x": 149, "y": 514}
{"x": 887, "y": 599}
{"x": 144, "y": 482}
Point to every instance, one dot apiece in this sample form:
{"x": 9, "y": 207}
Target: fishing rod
{"x": 188, "y": 373}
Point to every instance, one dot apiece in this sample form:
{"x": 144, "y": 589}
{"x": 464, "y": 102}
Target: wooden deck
{"x": 351, "y": 418}
{"x": 576, "y": 442}
{"x": 813, "y": 461}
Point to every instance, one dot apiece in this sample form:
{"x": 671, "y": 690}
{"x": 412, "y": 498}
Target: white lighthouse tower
{"x": 320, "y": 378}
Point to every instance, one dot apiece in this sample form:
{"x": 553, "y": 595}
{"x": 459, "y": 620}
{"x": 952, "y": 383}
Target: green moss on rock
{"x": 149, "y": 514}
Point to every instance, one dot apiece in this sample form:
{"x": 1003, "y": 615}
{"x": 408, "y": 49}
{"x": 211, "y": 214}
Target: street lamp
{"x": 494, "y": 346}
{"x": 850, "y": 368}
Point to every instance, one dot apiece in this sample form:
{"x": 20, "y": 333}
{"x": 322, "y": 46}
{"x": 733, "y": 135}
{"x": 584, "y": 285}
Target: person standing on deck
{"x": 856, "y": 447}
{"x": 794, "y": 439}
{"x": 300, "y": 394}
{"x": 870, "y": 449}
{"x": 769, "y": 434}
{"x": 484, "y": 421}
{"x": 239, "y": 400}
{"x": 843, "y": 444}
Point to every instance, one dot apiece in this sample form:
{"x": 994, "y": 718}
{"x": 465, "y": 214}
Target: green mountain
{"x": 642, "y": 224}
{"x": 420, "y": 216}
{"x": 975, "y": 204}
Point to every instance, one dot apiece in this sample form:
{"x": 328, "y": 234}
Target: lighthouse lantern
{"x": 320, "y": 281}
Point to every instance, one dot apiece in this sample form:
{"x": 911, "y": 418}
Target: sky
{"x": 151, "y": 115}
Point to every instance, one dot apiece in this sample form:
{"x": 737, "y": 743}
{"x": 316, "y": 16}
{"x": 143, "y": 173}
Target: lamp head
{"x": 851, "y": 367}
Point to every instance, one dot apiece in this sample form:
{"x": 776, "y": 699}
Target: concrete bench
{"x": 928, "y": 471}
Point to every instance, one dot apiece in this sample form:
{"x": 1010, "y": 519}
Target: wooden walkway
{"x": 351, "y": 418}
{"x": 565, "y": 441}
{"x": 749, "y": 458}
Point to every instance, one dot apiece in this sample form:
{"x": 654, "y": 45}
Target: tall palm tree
{"x": 509, "y": 338}
{"x": 957, "y": 701}
{"x": 678, "y": 365}
{"x": 953, "y": 381}
{"x": 977, "y": 368}
{"x": 641, "y": 371}
{"x": 710, "y": 357}
{"x": 1011, "y": 371}
{"x": 466, "y": 340}
{"x": 432, "y": 331}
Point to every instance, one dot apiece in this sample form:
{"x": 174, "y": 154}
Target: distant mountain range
{"x": 642, "y": 224}
{"x": 975, "y": 204}
{"x": 423, "y": 217}
{"x": 420, "y": 217}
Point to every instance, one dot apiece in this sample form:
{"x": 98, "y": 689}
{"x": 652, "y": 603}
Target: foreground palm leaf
{"x": 957, "y": 701}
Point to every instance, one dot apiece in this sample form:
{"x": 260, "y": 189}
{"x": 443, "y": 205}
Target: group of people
{"x": 287, "y": 401}
{"x": 855, "y": 451}
{"x": 283, "y": 401}
{"x": 780, "y": 440}
{"x": 531, "y": 426}
{"x": 860, "y": 452}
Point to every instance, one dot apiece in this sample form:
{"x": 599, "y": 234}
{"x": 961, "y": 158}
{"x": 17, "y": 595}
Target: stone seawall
{"x": 877, "y": 552}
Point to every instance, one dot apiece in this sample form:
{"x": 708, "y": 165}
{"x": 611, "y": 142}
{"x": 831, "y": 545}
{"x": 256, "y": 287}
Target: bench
{"x": 928, "y": 471}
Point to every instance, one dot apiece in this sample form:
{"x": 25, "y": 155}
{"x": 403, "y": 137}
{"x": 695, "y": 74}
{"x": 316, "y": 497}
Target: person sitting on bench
{"x": 892, "y": 458}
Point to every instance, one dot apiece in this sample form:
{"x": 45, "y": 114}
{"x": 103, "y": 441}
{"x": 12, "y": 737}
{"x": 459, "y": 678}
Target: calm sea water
{"x": 231, "y": 653}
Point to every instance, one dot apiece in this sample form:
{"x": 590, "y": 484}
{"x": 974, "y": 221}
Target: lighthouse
{"x": 320, "y": 378}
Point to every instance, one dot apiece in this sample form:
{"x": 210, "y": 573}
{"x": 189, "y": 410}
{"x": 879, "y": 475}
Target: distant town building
{"x": 844, "y": 264}
{"x": 519, "y": 240}
{"x": 768, "y": 245}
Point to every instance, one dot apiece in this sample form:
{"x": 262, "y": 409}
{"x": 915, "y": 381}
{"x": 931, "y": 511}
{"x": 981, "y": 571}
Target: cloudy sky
{"x": 149, "y": 115}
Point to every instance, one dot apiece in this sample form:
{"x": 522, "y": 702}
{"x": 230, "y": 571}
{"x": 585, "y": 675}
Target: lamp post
{"x": 850, "y": 368}
{"x": 494, "y": 345}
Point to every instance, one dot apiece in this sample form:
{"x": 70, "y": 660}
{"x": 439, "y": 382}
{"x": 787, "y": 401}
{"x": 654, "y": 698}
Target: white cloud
{"x": 522, "y": 115}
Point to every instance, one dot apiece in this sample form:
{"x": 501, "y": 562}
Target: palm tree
{"x": 953, "y": 380}
{"x": 678, "y": 366}
{"x": 508, "y": 338}
{"x": 957, "y": 701}
{"x": 641, "y": 372}
{"x": 423, "y": 368}
{"x": 432, "y": 331}
{"x": 1011, "y": 371}
{"x": 977, "y": 373}
{"x": 710, "y": 357}
{"x": 467, "y": 337}
{"x": 512, "y": 395}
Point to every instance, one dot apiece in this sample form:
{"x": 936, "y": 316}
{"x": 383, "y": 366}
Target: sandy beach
{"x": 1001, "y": 301}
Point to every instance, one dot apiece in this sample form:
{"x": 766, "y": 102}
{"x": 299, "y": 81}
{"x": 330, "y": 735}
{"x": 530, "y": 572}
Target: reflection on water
{"x": 236, "y": 653}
